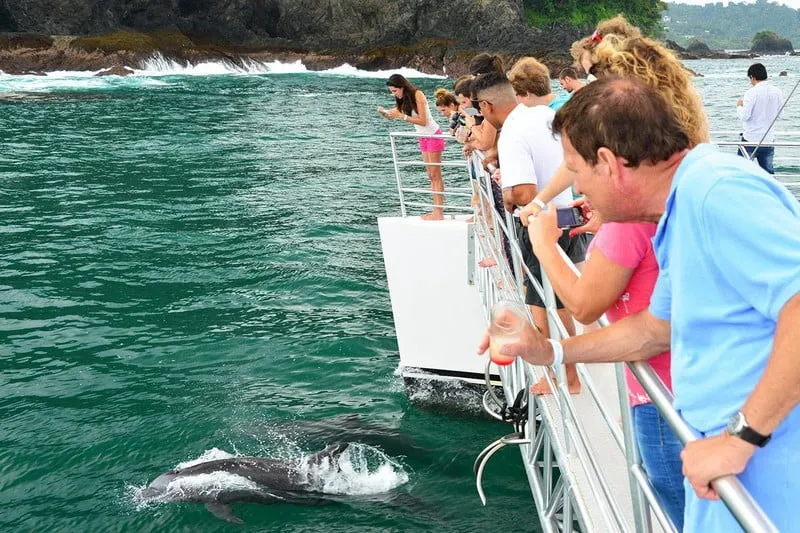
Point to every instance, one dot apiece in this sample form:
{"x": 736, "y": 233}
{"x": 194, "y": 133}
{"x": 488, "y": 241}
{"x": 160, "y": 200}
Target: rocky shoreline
{"x": 121, "y": 53}
{"x": 38, "y": 54}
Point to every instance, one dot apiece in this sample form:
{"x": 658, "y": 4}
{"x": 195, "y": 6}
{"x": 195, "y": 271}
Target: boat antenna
{"x": 753, "y": 153}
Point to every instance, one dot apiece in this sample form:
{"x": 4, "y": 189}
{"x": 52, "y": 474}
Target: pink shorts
{"x": 427, "y": 144}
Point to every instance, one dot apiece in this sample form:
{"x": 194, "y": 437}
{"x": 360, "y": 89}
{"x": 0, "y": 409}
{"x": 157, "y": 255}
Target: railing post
{"x": 397, "y": 176}
{"x": 641, "y": 511}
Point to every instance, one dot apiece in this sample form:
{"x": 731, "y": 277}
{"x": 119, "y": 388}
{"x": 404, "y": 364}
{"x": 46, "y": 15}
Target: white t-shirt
{"x": 528, "y": 151}
{"x": 761, "y": 105}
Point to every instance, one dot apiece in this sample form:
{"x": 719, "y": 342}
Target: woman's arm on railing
{"x": 587, "y": 296}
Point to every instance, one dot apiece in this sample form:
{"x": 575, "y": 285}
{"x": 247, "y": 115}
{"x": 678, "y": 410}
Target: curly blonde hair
{"x": 659, "y": 68}
{"x": 618, "y": 26}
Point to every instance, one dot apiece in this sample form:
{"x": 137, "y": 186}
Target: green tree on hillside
{"x": 769, "y": 41}
{"x": 584, "y": 15}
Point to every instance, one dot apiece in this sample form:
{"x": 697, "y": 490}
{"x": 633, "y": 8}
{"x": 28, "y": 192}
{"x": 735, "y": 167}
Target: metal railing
{"x": 559, "y": 442}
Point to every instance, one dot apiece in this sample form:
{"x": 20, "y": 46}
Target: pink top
{"x": 630, "y": 246}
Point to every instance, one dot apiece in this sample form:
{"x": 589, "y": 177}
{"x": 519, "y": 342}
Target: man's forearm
{"x": 635, "y": 338}
{"x": 778, "y": 390}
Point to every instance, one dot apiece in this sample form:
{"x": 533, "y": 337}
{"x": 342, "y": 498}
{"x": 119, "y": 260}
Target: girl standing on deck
{"x": 412, "y": 106}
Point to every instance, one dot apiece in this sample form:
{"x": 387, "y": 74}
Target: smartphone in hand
{"x": 570, "y": 217}
{"x": 383, "y": 111}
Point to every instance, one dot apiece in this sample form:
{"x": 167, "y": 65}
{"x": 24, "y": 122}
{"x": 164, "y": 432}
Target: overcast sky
{"x": 791, "y": 3}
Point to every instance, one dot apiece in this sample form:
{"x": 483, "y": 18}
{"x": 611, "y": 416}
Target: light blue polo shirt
{"x": 728, "y": 246}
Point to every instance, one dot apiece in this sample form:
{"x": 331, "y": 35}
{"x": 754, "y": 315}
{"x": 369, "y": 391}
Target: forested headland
{"x": 732, "y": 27}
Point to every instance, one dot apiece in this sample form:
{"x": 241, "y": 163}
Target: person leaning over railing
{"x": 617, "y": 279}
{"x": 659, "y": 68}
{"x": 412, "y": 107}
{"x": 727, "y": 297}
{"x": 448, "y": 106}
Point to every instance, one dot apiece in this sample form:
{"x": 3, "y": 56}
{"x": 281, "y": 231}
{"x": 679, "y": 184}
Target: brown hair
{"x": 626, "y": 116}
{"x": 408, "y": 103}
{"x": 484, "y": 63}
{"x": 659, "y": 68}
{"x": 529, "y": 76}
{"x": 568, "y": 72}
{"x": 463, "y": 86}
{"x": 445, "y": 98}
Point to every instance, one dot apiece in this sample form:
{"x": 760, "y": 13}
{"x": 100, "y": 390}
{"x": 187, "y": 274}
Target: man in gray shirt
{"x": 757, "y": 110}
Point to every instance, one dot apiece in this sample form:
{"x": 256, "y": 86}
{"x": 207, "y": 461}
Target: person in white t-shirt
{"x": 529, "y": 155}
{"x": 758, "y": 111}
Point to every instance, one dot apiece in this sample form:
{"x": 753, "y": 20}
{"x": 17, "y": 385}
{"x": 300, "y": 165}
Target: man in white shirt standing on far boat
{"x": 727, "y": 299}
{"x": 529, "y": 156}
{"x": 758, "y": 111}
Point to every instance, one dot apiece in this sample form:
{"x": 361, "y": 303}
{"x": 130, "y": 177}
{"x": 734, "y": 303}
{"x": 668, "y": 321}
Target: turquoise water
{"x": 191, "y": 264}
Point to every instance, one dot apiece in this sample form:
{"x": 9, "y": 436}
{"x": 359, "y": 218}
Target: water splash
{"x": 359, "y": 470}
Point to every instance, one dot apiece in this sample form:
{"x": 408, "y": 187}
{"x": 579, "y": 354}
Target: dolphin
{"x": 221, "y": 482}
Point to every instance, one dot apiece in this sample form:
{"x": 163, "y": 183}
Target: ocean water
{"x": 190, "y": 268}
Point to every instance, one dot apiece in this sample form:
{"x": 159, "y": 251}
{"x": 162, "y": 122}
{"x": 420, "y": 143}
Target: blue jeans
{"x": 661, "y": 454}
{"x": 764, "y": 155}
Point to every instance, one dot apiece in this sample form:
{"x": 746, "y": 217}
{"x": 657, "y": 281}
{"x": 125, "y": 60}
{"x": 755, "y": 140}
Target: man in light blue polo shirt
{"x": 727, "y": 301}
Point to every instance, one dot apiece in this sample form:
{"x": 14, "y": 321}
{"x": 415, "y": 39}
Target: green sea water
{"x": 191, "y": 263}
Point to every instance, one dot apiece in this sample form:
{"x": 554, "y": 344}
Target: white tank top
{"x": 431, "y": 127}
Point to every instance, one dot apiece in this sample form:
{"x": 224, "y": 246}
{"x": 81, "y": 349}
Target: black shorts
{"x": 575, "y": 247}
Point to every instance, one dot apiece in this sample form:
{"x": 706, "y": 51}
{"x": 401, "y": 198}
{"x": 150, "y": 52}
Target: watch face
{"x": 736, "y": 423}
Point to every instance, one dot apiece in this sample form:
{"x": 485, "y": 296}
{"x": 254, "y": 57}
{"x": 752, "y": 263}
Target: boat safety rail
{"x": 571, "y": 445}
{"x": 406, "y": 154}
{"x": 786, "y": 160}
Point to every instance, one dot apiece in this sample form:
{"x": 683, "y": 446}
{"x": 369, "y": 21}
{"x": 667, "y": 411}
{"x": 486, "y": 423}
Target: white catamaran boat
{"x": 578, "y": 451}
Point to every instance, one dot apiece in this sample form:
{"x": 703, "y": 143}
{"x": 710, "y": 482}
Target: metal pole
{"x": 397, "y": 175}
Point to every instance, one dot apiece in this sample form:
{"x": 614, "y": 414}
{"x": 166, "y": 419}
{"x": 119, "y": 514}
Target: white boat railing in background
{"x": 603, "y": 494}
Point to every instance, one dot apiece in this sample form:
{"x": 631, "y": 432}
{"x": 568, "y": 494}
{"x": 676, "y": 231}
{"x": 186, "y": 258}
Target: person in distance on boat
{"x": 727, "y": 299}
{"x": 758, "y": 111}
{"x": 531, "y": 82}
{"x": 483, "y": 135}
{"x": 411, "y": 106}
{"x": 529, "y": 156}
{"x": 568, "y": 79}
{"x": 448, "y": 106}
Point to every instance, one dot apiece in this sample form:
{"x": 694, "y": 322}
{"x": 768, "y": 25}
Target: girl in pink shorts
{"x": 412, "y": 106}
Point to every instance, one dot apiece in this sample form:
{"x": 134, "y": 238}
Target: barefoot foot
{"x": 487, "y": 262}
{"x": 436, "y": 215}
{"x": 542, "y": 387}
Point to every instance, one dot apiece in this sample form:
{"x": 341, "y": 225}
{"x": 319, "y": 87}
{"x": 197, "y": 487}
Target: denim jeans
{"x": 661, "y": 454}
{"x": 764, "y": 155}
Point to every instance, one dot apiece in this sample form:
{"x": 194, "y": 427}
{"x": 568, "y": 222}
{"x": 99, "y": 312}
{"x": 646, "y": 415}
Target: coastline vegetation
{"x": 730, "y": 27}
{"x": 646, "y": 14}
{"x": 769, "y": 41}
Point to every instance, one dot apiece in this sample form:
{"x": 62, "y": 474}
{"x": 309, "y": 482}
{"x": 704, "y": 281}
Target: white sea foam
{"x": 359, "y": 470}
{"x": 159, "y": 66}
{"x": 213, "y": 454}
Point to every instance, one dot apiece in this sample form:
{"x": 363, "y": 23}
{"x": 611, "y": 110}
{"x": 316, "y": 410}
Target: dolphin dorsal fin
{"x": 223, "y": 511}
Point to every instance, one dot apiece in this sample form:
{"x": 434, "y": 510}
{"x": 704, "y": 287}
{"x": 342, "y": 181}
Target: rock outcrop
{"x": 371, "y": 33}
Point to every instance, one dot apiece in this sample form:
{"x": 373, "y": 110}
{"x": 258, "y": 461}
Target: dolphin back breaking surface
{"x": 338, "y": 470}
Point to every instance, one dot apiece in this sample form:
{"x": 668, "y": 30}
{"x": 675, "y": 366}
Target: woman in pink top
{"x": 618, "y": 279}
